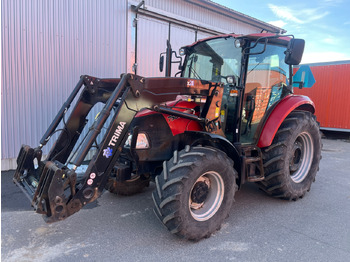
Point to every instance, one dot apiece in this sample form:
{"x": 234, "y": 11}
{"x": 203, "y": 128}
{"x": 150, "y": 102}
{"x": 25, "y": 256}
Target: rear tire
{"x": 292, "y": 160}
{"x": 195, "y": 191}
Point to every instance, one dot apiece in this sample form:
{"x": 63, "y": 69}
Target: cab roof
{"x": 281, "y": 39}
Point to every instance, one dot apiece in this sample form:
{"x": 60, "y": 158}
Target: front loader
{"x": 230, "y": 118}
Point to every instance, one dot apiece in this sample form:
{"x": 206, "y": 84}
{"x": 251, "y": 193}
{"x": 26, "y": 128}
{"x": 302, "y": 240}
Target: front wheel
{"x": 195, "y": 192}
{"x": 292, "y": 160}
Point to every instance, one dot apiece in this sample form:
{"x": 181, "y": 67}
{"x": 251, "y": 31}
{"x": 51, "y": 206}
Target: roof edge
{"x": 339, "y": 62}
{"x": 210, "y": 5}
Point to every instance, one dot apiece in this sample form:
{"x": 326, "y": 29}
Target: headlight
{"x": 230, "y": 79}
{"x": 141, "y": 142}
{"x": 239, "y": 43}
{"x": 182, "y": 51}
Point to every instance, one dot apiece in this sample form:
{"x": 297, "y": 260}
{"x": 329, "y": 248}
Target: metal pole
{"x": 168, "y": 59}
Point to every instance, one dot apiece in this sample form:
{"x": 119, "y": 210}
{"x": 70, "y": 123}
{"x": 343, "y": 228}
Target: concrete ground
{"x": 260, "y": 228}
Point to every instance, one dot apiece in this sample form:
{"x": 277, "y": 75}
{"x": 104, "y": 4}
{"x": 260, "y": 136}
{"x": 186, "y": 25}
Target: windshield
{"x": 214, "y": 60}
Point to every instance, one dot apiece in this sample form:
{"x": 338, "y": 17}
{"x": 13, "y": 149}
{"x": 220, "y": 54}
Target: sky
{"x": 324, "y": 24}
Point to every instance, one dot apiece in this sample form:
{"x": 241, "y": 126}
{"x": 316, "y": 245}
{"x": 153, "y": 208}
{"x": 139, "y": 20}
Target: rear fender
{"x": 279, "y": 113}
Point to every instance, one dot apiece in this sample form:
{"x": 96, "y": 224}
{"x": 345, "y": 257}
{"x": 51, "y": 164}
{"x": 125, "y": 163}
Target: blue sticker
{"x": 107, "y": 152}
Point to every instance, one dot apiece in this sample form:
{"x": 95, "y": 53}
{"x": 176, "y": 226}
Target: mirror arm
{"x": 179, "y": 61}
{"x": 258, "y": 53}
{"x": 301, "y": 84}
{"x": 178, "y": 73}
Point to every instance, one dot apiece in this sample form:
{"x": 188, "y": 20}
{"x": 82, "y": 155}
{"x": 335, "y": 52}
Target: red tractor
{"x": 230, "y": 118}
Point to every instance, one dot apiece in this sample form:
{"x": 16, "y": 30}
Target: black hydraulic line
{"x": 99, "y": 123}
{"x": 169, "y": 111}
{"x": 61, "y": 112}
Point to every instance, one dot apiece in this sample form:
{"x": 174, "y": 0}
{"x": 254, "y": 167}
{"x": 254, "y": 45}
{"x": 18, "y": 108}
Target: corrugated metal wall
{"x": 46, "y": 46}
{"x": 203, "y": 15}
{"x": 190, "y": 22}
{"x": 154, "y": 32}
{"x": 150, "y": 33}
{"x": 330, "y": 94}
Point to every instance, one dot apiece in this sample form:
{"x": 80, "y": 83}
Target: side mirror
{"x": 161, "y": 62}
{"x": 294, "y": 51}
{"x": 304, "y": 77}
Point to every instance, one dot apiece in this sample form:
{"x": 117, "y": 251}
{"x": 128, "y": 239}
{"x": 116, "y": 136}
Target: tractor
{"x": 230, "y": 117}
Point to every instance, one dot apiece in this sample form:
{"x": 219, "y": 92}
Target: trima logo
{"x": 116, "y": 134}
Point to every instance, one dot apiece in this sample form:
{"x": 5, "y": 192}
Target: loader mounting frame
{"x": 52, "y": 187}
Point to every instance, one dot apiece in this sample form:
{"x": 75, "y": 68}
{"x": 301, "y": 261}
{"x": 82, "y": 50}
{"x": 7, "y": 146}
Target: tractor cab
{"x": 256, "y": 71}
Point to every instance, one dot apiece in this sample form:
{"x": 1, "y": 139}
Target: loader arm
{"x": 51, "y": 186}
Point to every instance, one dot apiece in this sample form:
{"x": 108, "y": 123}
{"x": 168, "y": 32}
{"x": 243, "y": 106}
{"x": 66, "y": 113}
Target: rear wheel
{"x": 292, "y": 160}
{"x": 195, "y": 192}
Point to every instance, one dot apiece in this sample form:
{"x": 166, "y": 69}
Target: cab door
{"x": 266, "y": 80}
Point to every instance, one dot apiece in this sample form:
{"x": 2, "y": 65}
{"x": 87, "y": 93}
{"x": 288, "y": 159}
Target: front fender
{"x": 279, "y": 113}
{"x": 194, "y": 138}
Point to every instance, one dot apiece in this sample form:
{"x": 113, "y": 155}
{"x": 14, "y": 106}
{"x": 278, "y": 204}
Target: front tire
{"x": 195, "y": 192}
{"x": 292, "y": 160}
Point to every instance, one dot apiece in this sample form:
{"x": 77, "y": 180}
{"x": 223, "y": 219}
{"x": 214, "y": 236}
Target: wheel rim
{"x": 302, "y": 156}
{"x": 206, "y": 196}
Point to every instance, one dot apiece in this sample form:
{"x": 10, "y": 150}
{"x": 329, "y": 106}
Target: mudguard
{"x": 279, "y": 113}
{"x": 194, "y": 138}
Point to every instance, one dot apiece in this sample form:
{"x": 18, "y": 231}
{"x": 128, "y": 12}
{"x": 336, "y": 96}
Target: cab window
{"x": 266, "y": 80}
